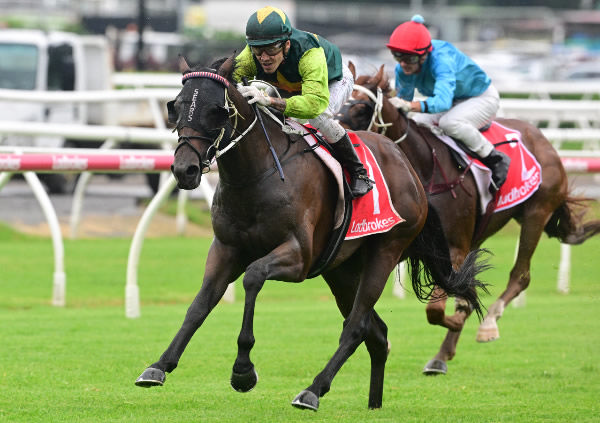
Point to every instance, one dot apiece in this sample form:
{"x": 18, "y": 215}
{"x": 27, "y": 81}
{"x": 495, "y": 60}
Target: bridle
{"x": 215, "y": 150}
{"x": 377, "y": 118}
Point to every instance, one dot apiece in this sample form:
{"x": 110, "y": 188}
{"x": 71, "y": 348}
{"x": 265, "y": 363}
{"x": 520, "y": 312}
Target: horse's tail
{"x": 430, "y": 265}
{"x": 566, "y": 223}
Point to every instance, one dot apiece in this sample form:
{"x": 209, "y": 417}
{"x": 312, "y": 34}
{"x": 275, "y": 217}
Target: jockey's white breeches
{"x": 339, "y": 92}
{"x": 465, "y": 118}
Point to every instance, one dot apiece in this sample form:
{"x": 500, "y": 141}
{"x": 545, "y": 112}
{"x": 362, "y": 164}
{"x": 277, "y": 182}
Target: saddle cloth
{"x": 373, "y": 212}
{"x": 524, "y": 174}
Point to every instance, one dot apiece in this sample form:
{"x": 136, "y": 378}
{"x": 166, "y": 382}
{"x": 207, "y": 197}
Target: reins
{"x": 377, "y": 118}
{"x": 257, "y": 114}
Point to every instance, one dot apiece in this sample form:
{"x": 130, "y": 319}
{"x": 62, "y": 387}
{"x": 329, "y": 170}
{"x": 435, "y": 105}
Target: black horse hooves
{"x": 244, "y": 382}
{"x": 151, "y": 377}
{"x": 435, "y": 367}
{"x": 306, "y": 400}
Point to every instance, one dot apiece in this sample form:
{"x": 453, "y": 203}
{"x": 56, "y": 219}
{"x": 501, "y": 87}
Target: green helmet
{"x": 267, "y": 26}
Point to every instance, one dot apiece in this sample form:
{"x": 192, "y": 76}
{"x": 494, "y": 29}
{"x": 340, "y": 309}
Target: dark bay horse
{"x": 551, "y": 209}
{"x": 272, "y": 228}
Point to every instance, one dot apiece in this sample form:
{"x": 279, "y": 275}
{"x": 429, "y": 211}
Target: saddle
{"x": 524, "y": 174}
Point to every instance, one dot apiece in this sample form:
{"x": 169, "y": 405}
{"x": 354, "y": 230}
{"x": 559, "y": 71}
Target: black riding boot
{"x": 344, "y": 152}
{"x": 498, "y": 163}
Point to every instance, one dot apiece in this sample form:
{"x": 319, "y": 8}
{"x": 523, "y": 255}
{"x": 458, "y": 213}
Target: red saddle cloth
{"x": 373, "y": 212}
{"x": 524, "y": 174}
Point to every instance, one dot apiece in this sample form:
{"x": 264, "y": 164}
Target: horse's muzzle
{"x": 188, "y": 176}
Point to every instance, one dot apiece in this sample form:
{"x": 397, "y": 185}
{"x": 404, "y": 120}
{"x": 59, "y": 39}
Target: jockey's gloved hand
{"x": 254, "y": 95}
{"x": 401, "y": 104}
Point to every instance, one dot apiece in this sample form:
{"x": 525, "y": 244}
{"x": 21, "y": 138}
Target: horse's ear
{"x": 379, "y": 73}
{"x": 183, "y": 65}
{"x": 226, "y": 69}
{"x": 384, "y": 84}
{"x": 352, "y": 69}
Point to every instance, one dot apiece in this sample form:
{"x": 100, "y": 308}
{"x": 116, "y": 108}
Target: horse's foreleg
{"x": 221, "y": 269}
{"x": 437, "y": 365}
{"x": 436, "y": 308}
{"x": 283, "y": 263}
{"x": 436, "y": 314}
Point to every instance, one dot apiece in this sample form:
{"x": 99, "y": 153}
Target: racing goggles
{"x": 410, "y": 59}
{"x": 271, "y": 49}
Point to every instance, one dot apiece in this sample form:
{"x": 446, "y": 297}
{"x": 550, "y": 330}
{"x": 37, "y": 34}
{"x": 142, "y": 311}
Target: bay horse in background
{"x": 272, "y": 228}
{"x": 551, "y": 209}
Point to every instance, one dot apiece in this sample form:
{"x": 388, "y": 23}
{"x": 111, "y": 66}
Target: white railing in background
{"x": 535, "y": 89}
{"x": 546, "y": 89}
{"x": 583, "y": 113}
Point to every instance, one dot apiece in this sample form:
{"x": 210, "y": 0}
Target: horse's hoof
{"x": 151, "y": 377}
{"x": 244, "y": 382}
{"x": 306, "y": 400}
{"x": 435, "y": 367}
{"x": 487, "y": 334}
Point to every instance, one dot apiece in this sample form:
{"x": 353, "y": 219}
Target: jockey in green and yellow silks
{"x": 308, "y": 71}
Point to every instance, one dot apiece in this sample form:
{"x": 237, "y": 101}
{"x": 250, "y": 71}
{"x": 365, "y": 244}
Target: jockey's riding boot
{"x": 344, "y": 152}
{"x": 498, "y": 163}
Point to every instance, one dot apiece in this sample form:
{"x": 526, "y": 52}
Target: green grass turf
{"x": 78, "y": 363}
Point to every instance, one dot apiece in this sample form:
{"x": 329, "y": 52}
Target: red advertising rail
{"x": 39, "y": 162}
{"x": 85, "y": 162}
{"x": 581, "y": 164}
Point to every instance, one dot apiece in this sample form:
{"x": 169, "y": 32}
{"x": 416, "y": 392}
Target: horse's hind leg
{"x": 376, "y": 340}
{"x": 358, "y": 326}
{"x": 532, "y": 226}
{"x": 221, "y": 269}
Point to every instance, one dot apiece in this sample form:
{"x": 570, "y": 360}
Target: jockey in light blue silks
{"x": 460, "y": 96}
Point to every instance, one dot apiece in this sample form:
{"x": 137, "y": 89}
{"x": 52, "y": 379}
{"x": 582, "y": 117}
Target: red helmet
{"x": 411, "y": 37}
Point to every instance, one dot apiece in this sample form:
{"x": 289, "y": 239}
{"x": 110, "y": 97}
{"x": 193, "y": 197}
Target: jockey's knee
{"x": 452, "y": 127}
{"x": 468, "y": 134}
{"x": 330, "y": 128}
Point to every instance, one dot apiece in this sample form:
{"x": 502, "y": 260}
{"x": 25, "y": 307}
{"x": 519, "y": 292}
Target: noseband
{"x": 185, "y": 140}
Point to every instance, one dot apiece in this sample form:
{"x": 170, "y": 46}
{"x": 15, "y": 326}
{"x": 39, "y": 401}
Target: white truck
{"x": 52, "y": 61}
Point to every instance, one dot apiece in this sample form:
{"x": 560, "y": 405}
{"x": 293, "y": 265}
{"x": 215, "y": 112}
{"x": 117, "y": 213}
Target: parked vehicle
{"x": 52, "y": 61}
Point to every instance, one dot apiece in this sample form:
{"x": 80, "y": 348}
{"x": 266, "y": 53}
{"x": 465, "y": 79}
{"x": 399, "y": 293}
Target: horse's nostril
{"x": 192, "y": 170}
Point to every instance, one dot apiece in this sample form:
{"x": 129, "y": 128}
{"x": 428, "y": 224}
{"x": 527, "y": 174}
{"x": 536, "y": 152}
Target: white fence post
{"x": 399, "y": 280}
{"x": 564, "y": 269}
{"x": 60, "y": 279}
{"x": 132, "y": 297}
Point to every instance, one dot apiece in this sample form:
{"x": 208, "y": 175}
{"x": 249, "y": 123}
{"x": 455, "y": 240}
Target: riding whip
{"x": 277, "y": 164}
